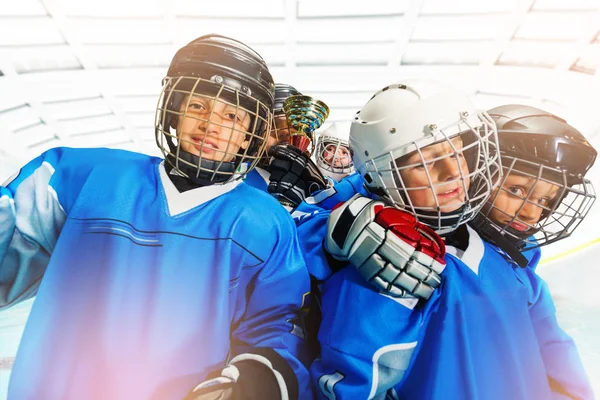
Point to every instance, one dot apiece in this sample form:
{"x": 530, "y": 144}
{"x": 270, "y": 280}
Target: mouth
{"x": 204, "y": 144}
{"x": 449, "y": 194}
{"x": 519, "y": 226}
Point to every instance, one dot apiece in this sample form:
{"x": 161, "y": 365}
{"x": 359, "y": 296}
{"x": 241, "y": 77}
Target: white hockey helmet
{"x": 400, "y": 120}
{"x": 332, "y": 151}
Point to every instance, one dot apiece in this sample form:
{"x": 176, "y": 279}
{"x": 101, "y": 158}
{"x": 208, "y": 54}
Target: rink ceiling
{"x": 86, "y": 73}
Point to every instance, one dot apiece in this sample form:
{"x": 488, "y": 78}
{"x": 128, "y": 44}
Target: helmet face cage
{"x": 478, "y": 166}
{"x": 558, "y": 219}
{"x": 333, "y": 155}
{"x": 224, "y": 144}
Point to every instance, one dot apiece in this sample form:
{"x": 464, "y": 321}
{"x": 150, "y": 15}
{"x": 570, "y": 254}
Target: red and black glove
{"x": 390, "y": 249}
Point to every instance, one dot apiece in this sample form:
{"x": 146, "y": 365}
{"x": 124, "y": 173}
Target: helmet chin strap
{"x": 444, "y": 220}
{"x": 490, "y": 232}
{"x": 210, "y": 173}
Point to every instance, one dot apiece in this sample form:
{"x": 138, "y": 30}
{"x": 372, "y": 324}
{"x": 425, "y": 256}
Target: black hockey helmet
{"x": 219, "y": 69}
{"x": 282, "y": 92}
{"x": 545, "y": 148}
{"x": 280, "y": 132}
{"x": 530, "y": 134}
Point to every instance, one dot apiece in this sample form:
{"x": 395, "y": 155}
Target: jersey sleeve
{"x": 339, "y": 192}
{"x": 312, "y": 229}
{"x": 31, "y": 218}
{"x": 311, "y": 221}
{"x": 564, "y": 368}
{"x": 270, "y": 329}
{"x": 368, "y": 339}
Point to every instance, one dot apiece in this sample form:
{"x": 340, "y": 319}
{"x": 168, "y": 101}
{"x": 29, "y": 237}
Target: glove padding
{"x": 220, "y": 388}
{"x": 390, "y": 249}
{"x": 294, "y": 176}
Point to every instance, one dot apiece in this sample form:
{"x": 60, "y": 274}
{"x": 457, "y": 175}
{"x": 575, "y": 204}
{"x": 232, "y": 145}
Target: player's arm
{"x": 311, "y": 225}
{"x": 269, "y": 357}
{"x": 564, "y": 368}
{"x": 31, "y": 218}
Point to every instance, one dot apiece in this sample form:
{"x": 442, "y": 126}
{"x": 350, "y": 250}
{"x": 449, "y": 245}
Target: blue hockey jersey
{"x": 328, "y": 198}
{"x": 311, "y": 220}
{"x": 488, "y": 332}
{"x": 142, "y": 290}
{"x": 258, "y": 178}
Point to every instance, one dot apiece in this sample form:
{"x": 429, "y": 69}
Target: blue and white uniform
{"x": 311, "y": 220}
{"x": 142, "y": 290}
{"x": 330, "y": 197}
{"x": 258, "y": 178}
{"x": 488, "y": 332}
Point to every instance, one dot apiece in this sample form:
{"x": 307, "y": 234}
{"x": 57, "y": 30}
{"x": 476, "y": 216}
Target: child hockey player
{"x": 280, "y": 135}
{"x": 150, "y": 274}
{"x": 284, "y": 171}
{"x": 544, "y": 195}
{"x": 487, "y": 332}
{"x": 332, "y": 152}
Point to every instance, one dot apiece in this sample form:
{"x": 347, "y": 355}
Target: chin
{"x": 451, "y": 207}
{"x": 190, "y": 150}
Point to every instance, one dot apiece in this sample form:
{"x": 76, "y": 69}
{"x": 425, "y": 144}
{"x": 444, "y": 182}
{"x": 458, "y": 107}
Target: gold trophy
{"x": 305, "y": 114}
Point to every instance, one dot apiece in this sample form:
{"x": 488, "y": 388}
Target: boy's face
{"x": 282, "y": 136}
{"x": 444, "y": 166}
{"x": 338, "y": 156}
{"x": 217, "y": 139}
{"x": 510, "y": 207}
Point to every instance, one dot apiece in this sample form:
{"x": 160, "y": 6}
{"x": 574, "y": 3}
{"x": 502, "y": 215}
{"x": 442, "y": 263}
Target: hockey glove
{"x": 294, "y": 176}
{"x": 391, "y": 250}
{"x": 221, "y": 388}
{"x": 262, "y": 374}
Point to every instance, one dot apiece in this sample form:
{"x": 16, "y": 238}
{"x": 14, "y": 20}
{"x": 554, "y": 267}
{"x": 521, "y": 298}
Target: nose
{"x": 341, "y": 158}
{"x": 530, "y": 212}
{"x": 450, "y": 169}
{"x": 210, "y": 126}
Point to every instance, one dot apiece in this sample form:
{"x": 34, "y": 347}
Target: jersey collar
{"x": 473, "y": 255}
{"x": 181, "y": 202}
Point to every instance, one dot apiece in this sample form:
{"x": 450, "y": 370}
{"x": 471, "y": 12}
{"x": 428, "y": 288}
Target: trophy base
{"x": 300, "y": 141}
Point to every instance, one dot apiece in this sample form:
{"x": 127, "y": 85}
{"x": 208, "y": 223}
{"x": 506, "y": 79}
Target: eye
{"x": 234, "y": 117}
{"x": 544, "y": 201}
{"x": 196, "y": 106}
{"x": 424, "y": 165}
{"x": 517, "y": 191}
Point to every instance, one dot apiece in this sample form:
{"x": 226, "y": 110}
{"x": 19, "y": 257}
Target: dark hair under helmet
{"x": 216, "y": 68}
{"x": 544, "y": 148}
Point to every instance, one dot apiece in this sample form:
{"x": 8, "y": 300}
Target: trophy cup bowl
{"x": 305, "y": 114}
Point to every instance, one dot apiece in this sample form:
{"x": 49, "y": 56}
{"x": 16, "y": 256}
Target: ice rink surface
{"x": 573, "y": 281}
